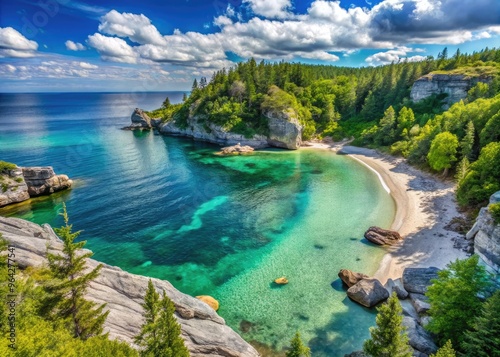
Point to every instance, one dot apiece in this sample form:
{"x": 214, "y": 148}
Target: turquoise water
{"x": 223, "y": 226}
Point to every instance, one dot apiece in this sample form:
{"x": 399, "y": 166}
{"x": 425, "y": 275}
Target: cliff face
{"x": 456, "y": 86}
{"x": 200, "y": 130}
{"x": 284, "y": 132}
{"x": 486, "y": 235}
{"x": 20, "y": 184}
{"x": 205, "y": 332}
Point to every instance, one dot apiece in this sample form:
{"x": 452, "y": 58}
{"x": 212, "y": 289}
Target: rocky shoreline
{"x": 285, "y": 131}
{"x": 205, "y": 332}
{"x": 22, "y": 183}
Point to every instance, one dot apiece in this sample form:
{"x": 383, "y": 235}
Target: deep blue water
{"x": 224, "y": 226}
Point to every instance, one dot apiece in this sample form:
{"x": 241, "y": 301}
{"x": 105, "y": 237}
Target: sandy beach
{"x": 425, "y": 205}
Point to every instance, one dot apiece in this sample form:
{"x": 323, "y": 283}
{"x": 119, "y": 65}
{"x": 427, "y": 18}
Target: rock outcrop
{"x": 13, "y": 188}
{"x": 420, "y": 339}
{"x": 368, "y": 292}
{"x": 381, "y": 236}
{"x": 351, "y": 278}
{"x": 486, "y": 235}
{"x": 455, "y": 86}
{"x": 237, "y": 149}
{"x": 20, "y": 184}
{"x": 285, "y": 131}
{"x": 397, "y": 287}
{"x": 44, "y": 181}
{"x": 199, "y": 129}
{"x": 416, "y": 280}
{"x": 205, "y": 332}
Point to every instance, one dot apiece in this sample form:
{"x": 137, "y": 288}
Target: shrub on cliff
{"x": 388, "y": 338}
{"x": 6, "y": 166}
{"x": 455, "y": 299}
{"x": 445, "y": 351}
{"x": 494, "y": 209}
{"x": 160, "y": 334}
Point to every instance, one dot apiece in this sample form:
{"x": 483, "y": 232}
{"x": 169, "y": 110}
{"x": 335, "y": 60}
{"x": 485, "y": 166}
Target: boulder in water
{"x": 281, "y": 281}
{"x": 368, "y": 292}
{"x": 381, "y": 236}
{"x": 351, "y": 278}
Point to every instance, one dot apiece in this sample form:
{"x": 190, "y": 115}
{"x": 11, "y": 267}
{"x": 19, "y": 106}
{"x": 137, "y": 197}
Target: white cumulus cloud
{"x": 14, "y": 44}
{"x": 112, "y": 48}
{"x": 278, "y": 9}
{"x": 74, "y": 46}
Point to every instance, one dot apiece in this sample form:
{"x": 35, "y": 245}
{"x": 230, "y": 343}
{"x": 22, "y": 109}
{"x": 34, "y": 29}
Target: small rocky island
{"x": 22, "y": 183}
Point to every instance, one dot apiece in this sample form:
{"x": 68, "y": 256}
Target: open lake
{"x": 169, "y": 208}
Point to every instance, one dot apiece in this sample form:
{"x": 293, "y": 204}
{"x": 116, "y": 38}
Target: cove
{"x": 224, "y": 226}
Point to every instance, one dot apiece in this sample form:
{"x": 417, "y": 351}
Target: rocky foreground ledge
{"x": 22, "y": 183}
{"x": 205, "y": 332}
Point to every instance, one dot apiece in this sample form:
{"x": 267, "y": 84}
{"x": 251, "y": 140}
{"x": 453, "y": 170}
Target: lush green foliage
{"x": 442, "y": 153}
{"x": 494, "y": 209}
{"x": 455, "y": 299}
{"x": 5, "y": 166}
{"x": 483, "y": 177}
{"x": 388, "y": 338}
{"x": 67, "y": 289}
{"x": 297, "y": 348}
{"x": 160, "y": 334}
{"x": 484, "y": 339}
{"x": 445, "y": 351}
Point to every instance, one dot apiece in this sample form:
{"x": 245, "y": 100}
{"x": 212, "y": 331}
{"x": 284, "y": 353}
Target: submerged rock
{"x": 237, "y": 149}
{"x": 381, "y": 236}
{"x": 210, "y": 301}
{"x": 204, "y": 332}
{"x": 281, "y": 281}
{"x": 351, "y": 278}
{"x": 368, "y": 292}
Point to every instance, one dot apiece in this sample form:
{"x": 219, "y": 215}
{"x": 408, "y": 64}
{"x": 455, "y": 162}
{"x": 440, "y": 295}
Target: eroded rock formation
{"x": 486, "y": 235}
{"x": 20, "y": 184}
{"x": 205, "y": 332}
{"x": 351, "y": 278}
{"x": 381, "y": 236}
{"x": 455, "y": 86}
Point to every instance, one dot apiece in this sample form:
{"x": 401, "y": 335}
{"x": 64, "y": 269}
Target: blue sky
{"x": 129, "y": 45}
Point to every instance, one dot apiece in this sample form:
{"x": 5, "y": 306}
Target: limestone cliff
{"x": 455, "y": 86}
{"x": 284, "y": 132}
{"x": 141, "y": 121}
{"x": 205, "y": 332}
{"x": 486, "y": 235}
{"x": 199, "y": 129}
{"x": 20, "y": 184}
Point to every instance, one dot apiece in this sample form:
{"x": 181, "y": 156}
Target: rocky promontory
{"x": 455, "y": 86}
{"x": 204, "y": 331}
{"x": 284, "y": 129}
{"x": 19, "y": 184}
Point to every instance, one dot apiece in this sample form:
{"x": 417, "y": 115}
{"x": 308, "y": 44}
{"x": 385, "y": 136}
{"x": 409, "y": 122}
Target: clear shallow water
{"x": 223, "y": 226}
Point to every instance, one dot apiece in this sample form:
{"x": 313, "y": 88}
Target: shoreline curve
{"x": 424, "y": 206}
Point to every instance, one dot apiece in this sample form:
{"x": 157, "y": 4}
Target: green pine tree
{"x": 445, "y": 351}
{"x": 467, "y": 143}
{"x": 388, "y": 338}
{"x": 484, "y": 340}
{"x": 66, "y": 292}
{"x": 160, "y": 333}
{"x": 454, "y": 299}
{"x": 297, "y": 348}
{"x": 166, "y": 103}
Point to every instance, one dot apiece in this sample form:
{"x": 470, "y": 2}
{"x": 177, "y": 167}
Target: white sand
{"x": 425, "y": 204}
